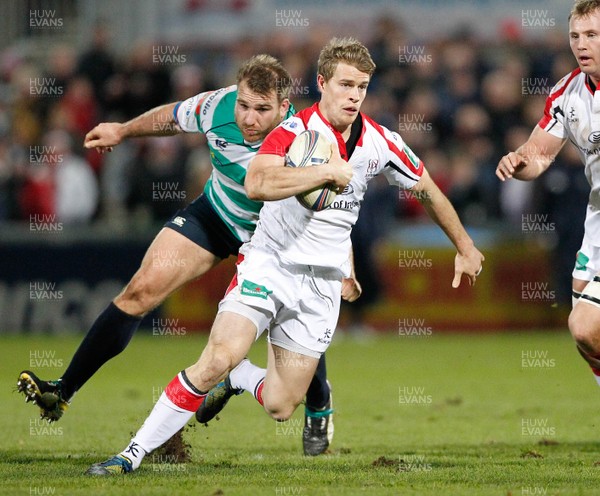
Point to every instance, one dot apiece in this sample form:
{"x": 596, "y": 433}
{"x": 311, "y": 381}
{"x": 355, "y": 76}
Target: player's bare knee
{"x": 280, "y": 409}
{"x": 280, "y": 412}
{"x": 580, "y": 330}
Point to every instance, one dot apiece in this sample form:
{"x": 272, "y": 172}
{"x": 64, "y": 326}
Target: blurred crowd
{"x": 458, "y": 101}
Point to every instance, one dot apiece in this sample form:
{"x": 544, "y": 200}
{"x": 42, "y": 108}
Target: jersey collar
{"x": 254, "y": 144}
{"x": 338, "y": 136}
{"x": 590, "y": 84}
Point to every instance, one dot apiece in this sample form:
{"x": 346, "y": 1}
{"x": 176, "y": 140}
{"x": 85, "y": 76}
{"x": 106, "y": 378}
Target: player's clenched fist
{"x": 341, "y": 170}
{"x": 104, "y": 136}
{"x": 509, "y": 164}
{"x": 351, "y": 289}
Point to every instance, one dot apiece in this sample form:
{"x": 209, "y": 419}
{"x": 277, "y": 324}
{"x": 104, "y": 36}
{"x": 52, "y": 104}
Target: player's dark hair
{"x": 347, "y": 50}
{"x": 584, "y": 8}
{"x": 264, "y": 74}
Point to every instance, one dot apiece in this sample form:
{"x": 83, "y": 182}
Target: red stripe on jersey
{"x": 202, "y": 100}
{"x": 338, "y": 136}
{"x": 277, "y": 142}
{"x": 306, "y": 114}
{"x": 595, "y": 371}
{"x": 401, "y": 154}
{"x": 234, "y": 281}
{"x": 543, "y": 122}
{"x": 181, "y": 397}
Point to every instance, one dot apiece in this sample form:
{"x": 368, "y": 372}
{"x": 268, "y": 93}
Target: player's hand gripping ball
{"x": 311, "y": 148}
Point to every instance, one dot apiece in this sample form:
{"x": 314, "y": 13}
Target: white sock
{"x": 249, "y": 377}
{"x": 174, "y": 408}
{"x": 164, "y": 421}
{"x": 134, "y": 453}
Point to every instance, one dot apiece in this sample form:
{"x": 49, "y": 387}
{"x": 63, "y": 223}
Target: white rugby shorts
{"x": 298, "y": 305}
{"x": 587, "y": 261}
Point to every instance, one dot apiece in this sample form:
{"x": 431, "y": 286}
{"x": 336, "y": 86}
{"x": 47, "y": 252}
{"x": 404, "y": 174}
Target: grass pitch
{"x": 506, "y": 414}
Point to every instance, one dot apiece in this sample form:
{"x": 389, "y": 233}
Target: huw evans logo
{"x": 413, "y": 259}
{"x": 167, "y": 191}
{"x": 43, "y": 290}
{"x": 45, "y": 223}
{"x": 537, "y": 223}
{"x": 413, "y": 327}
{"x": 45, "y": 19}
{"x": 536, "y": 359}
{"x": 290, "y": 19}
{"x": 535, "y": 18}
{"x": 45, "y": 87}
{"x": 412, "y": 395}
{"x": 167, "y": 55}
{"x": 537, "y": 291}
{"x": 414, "y": 54}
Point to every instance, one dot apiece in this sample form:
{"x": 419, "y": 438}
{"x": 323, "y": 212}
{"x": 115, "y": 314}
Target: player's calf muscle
{"x": 151, "y": 285}
{"x": 138, "y": 298}
{"x": 214, "y": 364}
{"x": 213, "y": 371}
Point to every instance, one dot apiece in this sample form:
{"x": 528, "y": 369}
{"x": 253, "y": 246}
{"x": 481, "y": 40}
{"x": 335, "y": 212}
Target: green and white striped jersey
{"x": 212, "y": 113}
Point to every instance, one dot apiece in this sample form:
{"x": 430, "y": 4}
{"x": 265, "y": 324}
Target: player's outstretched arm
{"x": 468, "y": 260}
{"x": 158, "y": 121}
{"x": 532, "y": 158}
{"x": 267, "y": 177}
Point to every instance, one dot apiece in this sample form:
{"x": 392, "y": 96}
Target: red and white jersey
{"x": 302, "y": 236}
{"x": 573, "y": 112}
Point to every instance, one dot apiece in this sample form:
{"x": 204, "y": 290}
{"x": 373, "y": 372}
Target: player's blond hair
{"x": 347, "y": 50}
{"x": 264, "y": 74}
{"x": 584, "y": 8}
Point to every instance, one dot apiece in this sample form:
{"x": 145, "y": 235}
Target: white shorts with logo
{"x": 299, "y": 305}
{"x": 587, "y": 262}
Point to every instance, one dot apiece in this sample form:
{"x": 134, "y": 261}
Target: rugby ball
{"x": 311, "y": 148}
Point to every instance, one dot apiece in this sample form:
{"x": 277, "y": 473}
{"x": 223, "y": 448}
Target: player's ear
{"x": 284, "y": 107}
{"x": 320, "y": 82}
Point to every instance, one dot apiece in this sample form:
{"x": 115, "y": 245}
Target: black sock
{"x": 317, "y": 395}
{"x": 109, "y": 335}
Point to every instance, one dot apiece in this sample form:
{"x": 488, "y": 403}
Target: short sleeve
{"x": 553, "y": 120}
{"x": 187, "y": 113}
{"x": 403, "y": 168}
{"x": 279, "y": 140}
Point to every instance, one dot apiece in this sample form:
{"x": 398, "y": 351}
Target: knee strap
{"x": 591, "y": 293}
{"x": 575, "y": 295}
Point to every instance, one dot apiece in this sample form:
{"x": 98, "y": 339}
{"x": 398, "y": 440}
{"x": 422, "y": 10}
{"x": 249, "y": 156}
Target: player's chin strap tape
{"x": 591, "y": 293}
{"x": 593, "y": 361}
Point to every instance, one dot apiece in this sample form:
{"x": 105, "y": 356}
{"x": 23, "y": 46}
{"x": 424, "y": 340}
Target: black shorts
{"x": 200, "y": 223}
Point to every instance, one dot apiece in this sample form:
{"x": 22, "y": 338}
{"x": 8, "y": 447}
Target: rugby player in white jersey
{"x": 235, "y": 121}
{"x": 289, "y": 276}
{"x": 573, "y": 113}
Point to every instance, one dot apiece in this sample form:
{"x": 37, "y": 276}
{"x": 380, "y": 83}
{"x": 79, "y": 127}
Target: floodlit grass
{"x": 432, "y": 415}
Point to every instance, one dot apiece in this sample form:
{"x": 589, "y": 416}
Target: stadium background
{"x": 463, "y": 82}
